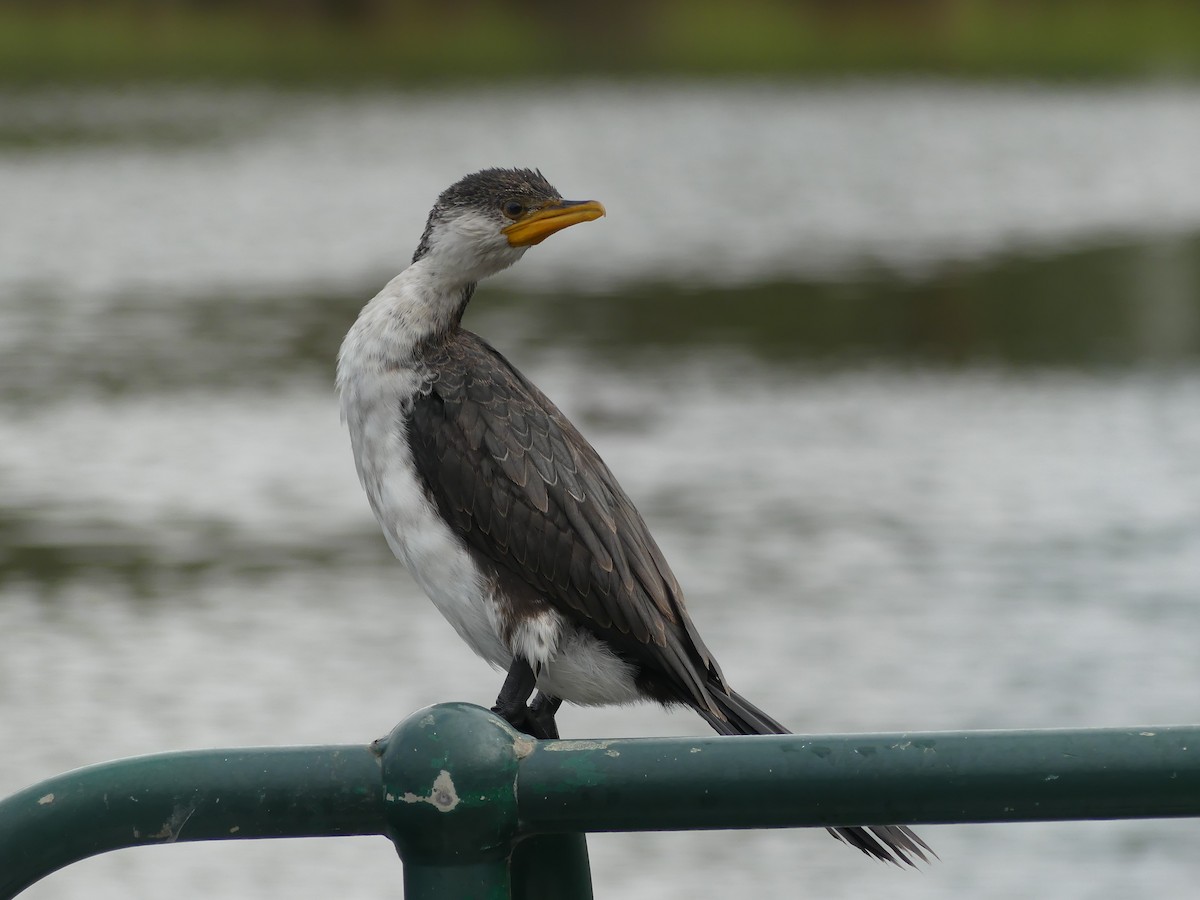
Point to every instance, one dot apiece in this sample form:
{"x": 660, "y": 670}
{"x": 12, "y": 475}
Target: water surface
{"x": 903, "y": 378}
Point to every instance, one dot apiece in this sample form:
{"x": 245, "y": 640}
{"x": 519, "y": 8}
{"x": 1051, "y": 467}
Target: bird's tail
{"x": 890, "y": 843}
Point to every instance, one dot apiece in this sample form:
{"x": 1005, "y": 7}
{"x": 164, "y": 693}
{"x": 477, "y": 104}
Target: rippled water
{"x": 904, "y": 380}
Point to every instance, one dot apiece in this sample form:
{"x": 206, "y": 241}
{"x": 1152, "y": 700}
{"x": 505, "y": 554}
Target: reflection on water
{"x": 1115, "y": 305}
{"x": 938, "y": 468}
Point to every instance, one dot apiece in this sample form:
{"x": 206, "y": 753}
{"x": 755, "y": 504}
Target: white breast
{"x": 376, "y": 380}
{"x": 415, "y": 530}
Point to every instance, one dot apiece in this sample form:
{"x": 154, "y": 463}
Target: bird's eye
{"x": 513, "y": 208}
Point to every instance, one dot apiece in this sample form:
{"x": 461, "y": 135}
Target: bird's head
{"x": 485, "y": 222}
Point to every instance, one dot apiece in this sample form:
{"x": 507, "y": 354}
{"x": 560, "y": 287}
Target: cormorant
{"x": 503, "y": 512}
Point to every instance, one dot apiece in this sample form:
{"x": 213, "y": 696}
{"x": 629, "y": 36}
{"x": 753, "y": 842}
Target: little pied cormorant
{"x": 503, "y": 512}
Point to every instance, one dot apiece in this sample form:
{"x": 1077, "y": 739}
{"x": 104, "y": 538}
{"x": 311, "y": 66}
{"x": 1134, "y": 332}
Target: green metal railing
{"x": 478, "y": 810}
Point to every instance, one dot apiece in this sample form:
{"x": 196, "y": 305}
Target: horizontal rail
{"x": 460, "y": 793}
{"x": 205, "y": 795}
{"x": 795, "y": 781}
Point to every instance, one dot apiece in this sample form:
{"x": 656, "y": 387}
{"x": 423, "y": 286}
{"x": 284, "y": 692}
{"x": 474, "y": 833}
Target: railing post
{"x": 450, "y": 795}
{"x": 551, "y": 867}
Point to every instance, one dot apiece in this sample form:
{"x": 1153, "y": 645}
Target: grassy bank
{"x": 412, "y": 43}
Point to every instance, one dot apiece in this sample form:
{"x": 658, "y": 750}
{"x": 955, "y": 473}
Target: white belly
{"x": 586, "y": 672}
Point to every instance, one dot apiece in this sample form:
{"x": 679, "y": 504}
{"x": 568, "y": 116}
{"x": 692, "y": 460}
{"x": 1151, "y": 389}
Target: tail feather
{"x": 738, "y": 715}
{"x": 891, "y": 843}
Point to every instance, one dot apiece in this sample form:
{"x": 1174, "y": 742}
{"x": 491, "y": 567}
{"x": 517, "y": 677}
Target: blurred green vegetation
{"x": 402, "y": 41}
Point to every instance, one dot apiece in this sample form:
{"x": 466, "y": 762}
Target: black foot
{"x": 535, "y": 720}
{"x": 542, "y": 711}
{"x": 525, "y": 722}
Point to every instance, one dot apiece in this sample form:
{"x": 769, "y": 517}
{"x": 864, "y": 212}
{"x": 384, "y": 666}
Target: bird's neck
{"x": 417, "y": 308}
{"x": 431, "y": 299}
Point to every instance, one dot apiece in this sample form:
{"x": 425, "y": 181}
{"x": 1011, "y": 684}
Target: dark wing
{"x": 525, "y": 490}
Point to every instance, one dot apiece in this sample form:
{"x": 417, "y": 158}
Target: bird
{"x": 503, "y": 512}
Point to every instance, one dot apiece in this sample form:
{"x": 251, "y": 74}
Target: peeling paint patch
{"x": 169, "y": 833}
{"x": 427, "y": 721}
{"x": 523, "y": 746}
{"x": 613, "y": 753}
{"x": 235, "y": 829}
{"x": 1050, "y": 778}
{"x": 696, "y": 750}
{"x": 1147, "y": 734}
{"x": 443, "y": 797}
{"x": 48, "y": 798}
{"x": 576, "y": 745}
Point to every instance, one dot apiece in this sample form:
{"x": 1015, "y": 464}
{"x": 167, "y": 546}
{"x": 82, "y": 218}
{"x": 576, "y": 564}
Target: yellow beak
{"x": 538, "y": 224}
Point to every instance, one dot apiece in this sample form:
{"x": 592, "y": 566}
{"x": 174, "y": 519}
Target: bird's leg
{"x": 541, "y": 713}
{"x": 510, "y": 705}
